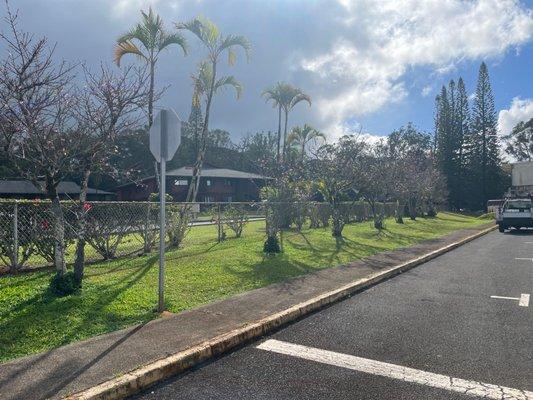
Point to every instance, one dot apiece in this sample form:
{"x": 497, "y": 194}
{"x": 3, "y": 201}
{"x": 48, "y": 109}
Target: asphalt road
{"x": 438, "y": 318}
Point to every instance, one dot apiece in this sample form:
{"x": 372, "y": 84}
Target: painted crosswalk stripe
{"x": 365, "y": 365}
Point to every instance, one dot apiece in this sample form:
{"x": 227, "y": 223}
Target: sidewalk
{"x": 72, "y": 368}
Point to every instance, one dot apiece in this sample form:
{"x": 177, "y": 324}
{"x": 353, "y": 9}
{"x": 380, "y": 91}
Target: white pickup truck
{"x": 515, "y": 213}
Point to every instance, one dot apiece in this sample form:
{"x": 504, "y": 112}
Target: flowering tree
{"x": 38, "y": 126}
{"x": 335, "y": 171}
{"x": 375, "y": 172}
{"x": 108, "y": 106}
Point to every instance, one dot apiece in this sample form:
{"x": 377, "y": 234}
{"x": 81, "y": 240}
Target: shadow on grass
{"x": 26, "y": 327}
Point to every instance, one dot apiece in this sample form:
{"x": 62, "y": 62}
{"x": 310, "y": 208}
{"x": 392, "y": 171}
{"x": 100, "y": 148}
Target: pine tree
{"x": 462, "y": 124}
{"x": 193, "y": 127}
{"x": 485, "y": 160}
{"x": 447, "y": 147}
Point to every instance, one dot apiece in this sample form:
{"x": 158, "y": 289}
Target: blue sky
{"x": 366, "y": 63}
{"x": 511, "y": 76}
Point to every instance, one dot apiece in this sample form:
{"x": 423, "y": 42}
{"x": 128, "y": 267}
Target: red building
{"x": 216, "y": 185}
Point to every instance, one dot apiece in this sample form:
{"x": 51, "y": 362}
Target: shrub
{"x": 432, "y": 212}
{"x": 178, "y": 218}
{"x": 236, "y": 219}
{"x": 271, "y": 245}
{"x": 378, "y": 223}
{"x": 64, "y": 285}
{"x": 324, "y": 213}
{"x": 299, "y": 215}
{"x": 340, "y": 216}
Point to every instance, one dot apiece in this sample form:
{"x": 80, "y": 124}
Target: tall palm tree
{"x": 301, "y": 136}
{"x": 291, "y": 96}
{"x": 152, "y": 38}
{"x": 216, "y": 45}
{"x": 274, "y": 94}
{"x": 285, "y": 96}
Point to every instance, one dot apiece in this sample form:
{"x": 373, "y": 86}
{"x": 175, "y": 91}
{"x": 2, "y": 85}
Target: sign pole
{"x": 165, "y": 138}
{"x": 162, "y": 204}
{"x": 162, "y": 220}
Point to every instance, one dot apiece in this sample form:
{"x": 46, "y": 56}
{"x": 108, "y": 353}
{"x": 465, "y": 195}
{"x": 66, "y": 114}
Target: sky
{"x": 370, "y": 66}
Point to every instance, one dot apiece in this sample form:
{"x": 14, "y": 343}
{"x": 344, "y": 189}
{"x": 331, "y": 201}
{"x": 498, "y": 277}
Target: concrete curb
{"x": 143, "y": 377}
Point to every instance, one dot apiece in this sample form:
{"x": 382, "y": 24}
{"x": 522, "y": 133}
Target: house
{"x": 21, "y": 189}
{"x": 216, "y": 185}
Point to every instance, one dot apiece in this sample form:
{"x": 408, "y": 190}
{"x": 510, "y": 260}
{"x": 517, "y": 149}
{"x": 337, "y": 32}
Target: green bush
{"x": 64, "y": 285}
{"x": 271, "y": 245}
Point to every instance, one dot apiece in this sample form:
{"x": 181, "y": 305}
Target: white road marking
{"x": 523, "y": 300}
{"x": 505, "y": 298}
{"x": 365, "y": 365}
{"x": 521, "y": 258}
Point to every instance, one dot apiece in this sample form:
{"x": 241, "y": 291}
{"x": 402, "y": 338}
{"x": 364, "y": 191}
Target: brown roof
{"x": 26, "y": 187}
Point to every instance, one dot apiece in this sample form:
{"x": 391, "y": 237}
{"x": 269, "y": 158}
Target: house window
{"x": 180, "y": 182}
{"x": 229, "y": 199}
{"x": 209, "y": 199}
{"x": 227, "y": 182}
{"x": 208, "y": 182}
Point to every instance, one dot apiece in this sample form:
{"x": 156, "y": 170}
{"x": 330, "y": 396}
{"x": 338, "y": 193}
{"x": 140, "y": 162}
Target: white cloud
{"x": 365, "y": 67}
{"x": 520, "y": 110}
{"x": 426, "y": 90}
{"x": 130, "y": 8}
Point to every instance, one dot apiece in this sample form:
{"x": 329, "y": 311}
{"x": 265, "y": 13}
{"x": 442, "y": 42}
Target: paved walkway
{"x": 80, "y": 365}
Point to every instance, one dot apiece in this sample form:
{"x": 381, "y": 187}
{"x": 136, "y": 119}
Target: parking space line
{"x": 522, "y": 258}
{"x": 368, "y": 366}
{"x": 523, "y": 300}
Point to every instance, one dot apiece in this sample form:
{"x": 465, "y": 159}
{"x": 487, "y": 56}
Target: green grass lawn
{"x": 123, "y": 292}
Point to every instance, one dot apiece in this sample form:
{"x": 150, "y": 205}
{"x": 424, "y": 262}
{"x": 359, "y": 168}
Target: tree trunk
{"x": 197, "y": 170}
{"x": 279, "y": 134}
{"x": 151, "y": 94}
{"x": 399, "y": 211}
{"x": 79, "y": 262}
{"x": 412, "y": 209}
{"x": 285, "y": 133}
{"x": 338, "y": 223}
{"x": 59, "y": 232}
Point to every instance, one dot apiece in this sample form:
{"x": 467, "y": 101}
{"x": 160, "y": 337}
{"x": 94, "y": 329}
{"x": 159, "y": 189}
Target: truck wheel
{"x": 501, "y": 228}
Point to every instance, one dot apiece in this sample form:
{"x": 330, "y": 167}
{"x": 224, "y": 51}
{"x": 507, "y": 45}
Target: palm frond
{"x": 126, "y": 48}
{"x": 173, "y": 38}
{"x": 153, "y": 26}
{"x": 229, "y": 81}
{"x": 231, "y": 41}
{"x": 232, "y": 57}
{"x": 274, "y": 94}
{"x": 205, "y": 30}
{"x": 138, "y": 33}
{"x": 298, "y": 97}
{"x": 202, "y": 78}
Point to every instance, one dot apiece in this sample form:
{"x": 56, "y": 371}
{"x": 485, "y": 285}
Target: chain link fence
{"x": 118, "y": 229}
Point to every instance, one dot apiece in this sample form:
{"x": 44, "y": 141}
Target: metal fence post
{"x": 219, "y": 225}
{"x": 15, "y": 235}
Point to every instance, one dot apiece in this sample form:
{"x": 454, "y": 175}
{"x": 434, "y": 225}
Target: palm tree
{"x": 152, "y": 38}
{"x": 216, "y": 44}
{"x": 291, "y": 96}
{"x": 285, "y": 96}
{"x": 301, "y": 136}
{"x": 274, "y": 94}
